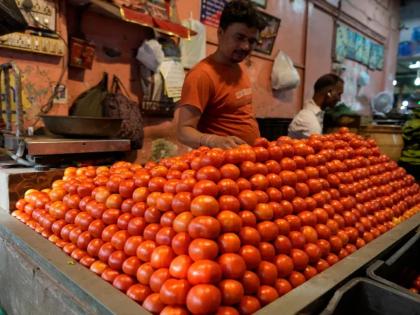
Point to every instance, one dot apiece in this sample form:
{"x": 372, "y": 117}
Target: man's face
{"x": 334, "y": 95}
{"x": 237, "y": 41}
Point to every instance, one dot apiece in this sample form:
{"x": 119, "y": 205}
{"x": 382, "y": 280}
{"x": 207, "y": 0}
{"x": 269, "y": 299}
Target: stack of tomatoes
{"x": 224, "y": 231}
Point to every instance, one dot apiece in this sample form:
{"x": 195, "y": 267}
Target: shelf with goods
{"x": 308, "y": 214}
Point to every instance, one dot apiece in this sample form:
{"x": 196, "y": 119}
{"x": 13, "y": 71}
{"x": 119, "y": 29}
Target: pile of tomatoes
{"x": 224, "y": 231}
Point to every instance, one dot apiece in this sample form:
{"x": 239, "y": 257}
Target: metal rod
{"x": 18, "y": 100}
{"x": 5, "y": 68}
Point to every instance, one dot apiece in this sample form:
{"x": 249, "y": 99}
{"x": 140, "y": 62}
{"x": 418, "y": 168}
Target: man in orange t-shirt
{"x": 216, "y": 102}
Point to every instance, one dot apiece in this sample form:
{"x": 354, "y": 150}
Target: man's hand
{"x": 214, "y": 141}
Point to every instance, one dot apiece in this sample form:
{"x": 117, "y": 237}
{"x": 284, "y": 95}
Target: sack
{"x": 284, "y": 75}
{"x": 118, "y": 105}
{"x": 89, "y": 103}
{"x": 11, "y": 18}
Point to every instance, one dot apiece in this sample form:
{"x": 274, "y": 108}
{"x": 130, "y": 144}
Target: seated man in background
{"x": 327, "y": 93}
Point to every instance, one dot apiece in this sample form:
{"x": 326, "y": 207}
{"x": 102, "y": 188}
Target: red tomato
{"x": 144, "y": 272}
{"x": 300, "y": 258}
{"x": 161, "y": 257}
{"x": 165, "y": 235}
{"x": 283, "y": 286}
{"x": 229, "y": 221}
{"x": 179, "y": 266}
{"x": 284, "y": 265}
{"x": 204, "y": 271}
{"x": 232, "y": 265}
{"x": 283, "y": 244}
{"x": 203, "y": 298}
{"x": 180, "y": 243}
{"x": 249, "y": 305}
{"x": 229, "y": 243}
{"x": 232, "y": 291}
{"x": 296, "y": 279}
{"x": 204, "y": 205}
{"x": 174, "y": 291}
{"x": 158, "y": 278}
{"x": 267, "y": 294}
{"x": 138, "y": 292}
{"x": 231, "y": 203}
{"x": 116, "y": 259}
{"x": 201, "y": 248}
{"x": 250, "y": 282}
{"x": 204, "y": 227}
{"x": 267, "y": 272}
{"x": 251, "y": 256}
{"x": 153, "y": 304}
{"x": 130, "y": 265}
{"x": 248, "y": 200}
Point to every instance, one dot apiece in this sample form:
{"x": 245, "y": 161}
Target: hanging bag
{"x": 89, "y": 103}
{"x": 118, "y": 105}
{"x": 284, "y": 75}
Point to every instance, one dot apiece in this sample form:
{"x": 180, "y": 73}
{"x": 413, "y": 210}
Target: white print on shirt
{"x": 244, "y": 92}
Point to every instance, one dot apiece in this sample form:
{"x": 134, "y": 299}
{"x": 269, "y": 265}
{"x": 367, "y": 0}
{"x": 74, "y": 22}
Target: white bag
{"x": 150, "y": 54}
{"x": 284, "y": 75}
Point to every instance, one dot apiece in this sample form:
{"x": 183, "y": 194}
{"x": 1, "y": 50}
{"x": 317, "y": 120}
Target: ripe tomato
{"x": 232, "y": 291}
{"x": 203, "y": 298}
{"x": 144, "y": 272}
{"x": 158, "y": 278}
{"x": 229, "y": 243}
{"x": 283, "y": 286}
{"x": 227, "y": 202}
{"x": 300, "y": 258}
{"x": 116, "y": 259}
{"x": 174, "y": 291}
{"x": 204, "y": 271}
{"x": 248, "y": 199}
{"x": 201, "y": 248}
{"x": 153, "y": 304}
{"x": 179, "y": 266}
{"x": 284, "y": 265}
{"x": 130, "y": 265}
{"x": 267, "y": 294}
{"x": 204, "y": 205}
{"x": 267, "y": 272}
{"x": 138, "y": 292}
{"x": 204, "y": 227}
{"x": 296, "y": 279}
{"x": 229, "y": 221}
{"x": 249, "y": 305}
{"x": 232, "y": 265}
{"x": 161, "y": 257}
{"x": 180, "y": 243}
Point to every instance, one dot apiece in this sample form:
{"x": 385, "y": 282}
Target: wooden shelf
{"x": 109, "y": 10}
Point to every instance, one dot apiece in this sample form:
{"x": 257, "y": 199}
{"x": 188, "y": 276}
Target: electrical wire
{"x": 45, "y": 108}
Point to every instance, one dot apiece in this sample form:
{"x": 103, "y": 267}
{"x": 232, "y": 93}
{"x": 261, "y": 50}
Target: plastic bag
{"x": 150, "y": 54}
{"x": 284, "y": 75}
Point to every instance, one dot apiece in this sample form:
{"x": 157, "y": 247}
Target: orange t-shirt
{"x": 223, "y": 95}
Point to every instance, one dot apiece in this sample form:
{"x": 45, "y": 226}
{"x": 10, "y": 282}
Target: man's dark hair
{"x": 327, "y": 81}
{"x": 242, "y": 11}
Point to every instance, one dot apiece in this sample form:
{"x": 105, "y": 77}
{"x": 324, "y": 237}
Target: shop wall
{"x": 39, "y": 74}
{"x": 306, "y": 35}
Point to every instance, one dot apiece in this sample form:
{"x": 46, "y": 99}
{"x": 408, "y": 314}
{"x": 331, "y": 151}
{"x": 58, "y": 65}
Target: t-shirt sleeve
{"x": 197, "y": 89}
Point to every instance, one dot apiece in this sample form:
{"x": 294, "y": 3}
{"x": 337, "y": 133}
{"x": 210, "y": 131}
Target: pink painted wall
{"x": 318, "y": 47}
{"x": 39, "y": 73}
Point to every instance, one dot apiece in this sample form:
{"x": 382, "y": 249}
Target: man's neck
{"x": 318, "y": 100}
{"x": 220, "y": 58}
